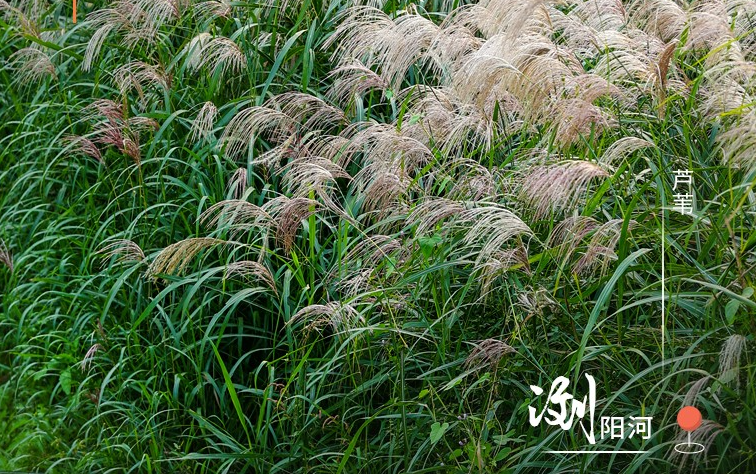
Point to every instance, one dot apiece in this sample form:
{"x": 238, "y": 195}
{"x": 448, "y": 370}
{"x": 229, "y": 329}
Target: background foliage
{"x": 329, "y": 237}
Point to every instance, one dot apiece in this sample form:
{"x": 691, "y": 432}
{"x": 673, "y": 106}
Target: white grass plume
{"x": 6, "y": 257}
{"x": 174, "y": 259}
{"x": 123, "y": 250}
{"x": 202, "y": 125}
{"x": 559, "y": 187}
{"x": 30, "y": 66}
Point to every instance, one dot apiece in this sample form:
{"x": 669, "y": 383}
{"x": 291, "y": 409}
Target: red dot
{"x": 689, "y": 418}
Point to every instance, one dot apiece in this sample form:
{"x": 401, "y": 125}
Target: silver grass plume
{"x": 559, "y": 187}
{"x": 6, "y": 258}
{"x": 122, "y": 250}
{"x": 691, "y": 397}
{"x": 86, "y": 362}
{"x": 729, "y": 360}
{"x": 175, "y": 258}
{"x": 488, "y": 353}
{"x": 239, "y": 215}
{"x": 704, "y": 435}
{"x": 209, "y": 10}
{"x": 354, "y": 79}
{"x": 30, "y": 65}
{"x": 202, "y": 125}
{"x": 219, "y": 55}
{"x": 138, "y": 75}
{"x": 340, "y": 317}
{"x": 431, "y": 211}
{"x": 251, "y": 270}
{"x": 288, "y": 214}
{"x": 237, "y": 185}
{"x": 84, "y": 146}
{"x": 489, "y": 226}
{"x": 500, "y": 263}
{"x": 600, "y": 251}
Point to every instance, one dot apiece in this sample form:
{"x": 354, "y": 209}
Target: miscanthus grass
{"x": 348, "y": 236}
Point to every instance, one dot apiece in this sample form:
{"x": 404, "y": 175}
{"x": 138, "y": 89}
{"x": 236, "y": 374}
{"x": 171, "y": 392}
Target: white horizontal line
{"x": 596, "y": 452}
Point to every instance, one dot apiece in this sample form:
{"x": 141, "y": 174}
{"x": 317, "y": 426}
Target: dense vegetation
{"x": 324, "y": 236}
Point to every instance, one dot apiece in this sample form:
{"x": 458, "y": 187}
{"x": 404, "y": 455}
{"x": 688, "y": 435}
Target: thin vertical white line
{"x": 663, "y": 306}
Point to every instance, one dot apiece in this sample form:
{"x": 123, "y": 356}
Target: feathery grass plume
{"x": 622, "y": 148}
{"x": 288, "y": 214}
{"x": 536, "y": 302}
{"x": 447, "y": 122}
{"x": 209, "y": 10}
{"x": 384, "y": 147}
{"x": 710, "y": 30}
{"x": 704, "y": 435}
{"x": 310, "y": 112}
{"x": 601, "y": 248}
{"x": 558, "y": 187}
{"x": 86, "y": 362}
{"x": 432, "y": 210}
{"x": 451, "y": 43}
{"x": 588, "y": 87}
{"x": 568, "y": 234}
{"x": 219, "y": 55}
{"x": 691, "y": 396}
{"x": 242, "y": 129}
{"x": 738, "y": 141}
{"x": 393, "y": 46}
{"x": 510, "y": 18}
{"x": 498, "y": 264}
{"x": 633, "y": 59}
{"x": 6, "y": 258}
{"x": 329, "y": 147}
{"x": 84, "y": 146}
{"x": 28, "y": 24}
{"x": 491, "y": 225}
{"x": 374, "y": 249}
{"x": 340, "y": 317}
{"x": 138, "y": 75}
{"x": 577, "y": 118}
{"x": 389, "y": 160}
{"x": 116, "y": 130}
{"x": 301, "y": 176}
{"x": 729, "y": 360}
{"x": 30, "y": 65}
{"x": 488, "y": 353}
{"x": 152, "y": 14}
{"x": 369, "y": 261}
{"x": 175, "y": 258}
{"x": 123, "y": 250}
{"x": 665, "y": 19}
{"x": 202, "y": 126}
{"x": 106, "y": 21}
{"x": 352, "y": 283}
{"x": 251, "y": 270}
{"x": 111, "y": 110}
{"x": 483, "y": 72}
{"x": 534, "y": 70}
{"x": 600, "y": 14}
{"x": 237, "y": 185}
{"x": 241, "y": 216}
{"x": 141, "y": 124}
{"x": 381, "y": 188}
{"x": 573, "y": 32}
{"x": 354, "y": 79}
{"x": 725, "y": 95}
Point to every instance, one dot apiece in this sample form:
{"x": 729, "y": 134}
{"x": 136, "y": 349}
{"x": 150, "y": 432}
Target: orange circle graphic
{"x": 689, "y": 418}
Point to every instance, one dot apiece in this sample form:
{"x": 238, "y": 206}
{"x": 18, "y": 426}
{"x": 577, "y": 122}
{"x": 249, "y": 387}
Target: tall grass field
{"x": 377, "y": 236}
